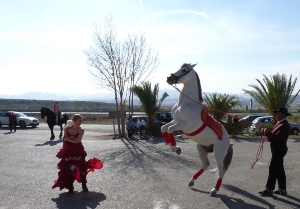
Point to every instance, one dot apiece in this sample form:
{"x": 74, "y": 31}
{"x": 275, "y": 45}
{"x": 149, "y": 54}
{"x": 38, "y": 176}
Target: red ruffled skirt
{"x": 72, "y": 163}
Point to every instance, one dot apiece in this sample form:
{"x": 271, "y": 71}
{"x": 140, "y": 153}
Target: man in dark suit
{"x": 12, "y": 121}
{"x": 278, "y": 139}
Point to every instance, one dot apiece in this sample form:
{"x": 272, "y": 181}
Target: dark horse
{"x": 46, "y": 112}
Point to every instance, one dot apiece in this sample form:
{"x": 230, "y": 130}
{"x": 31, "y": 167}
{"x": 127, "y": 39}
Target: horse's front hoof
{"x": 213, "y": 192}
{"x": 191, "y": 183}
{"x": 178, "y": 151}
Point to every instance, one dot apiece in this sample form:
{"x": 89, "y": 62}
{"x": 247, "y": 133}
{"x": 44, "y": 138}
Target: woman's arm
{"x": 65, "y": 134}
{"x": 78, "y": 139}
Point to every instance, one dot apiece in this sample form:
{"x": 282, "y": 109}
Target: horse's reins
{"x": 261, "y": 146}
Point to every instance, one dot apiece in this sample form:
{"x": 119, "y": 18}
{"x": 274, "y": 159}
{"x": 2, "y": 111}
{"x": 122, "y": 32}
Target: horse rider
{"x": 56, "y": 109}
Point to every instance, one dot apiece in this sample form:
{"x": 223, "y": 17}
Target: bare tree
{"x": 118, "y": 64}
{"x": 143, "y": 62}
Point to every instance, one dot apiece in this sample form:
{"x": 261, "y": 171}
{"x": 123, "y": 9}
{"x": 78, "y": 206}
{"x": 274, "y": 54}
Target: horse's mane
{"x": 199, "y": 87}
{"x": 46, "y": 109}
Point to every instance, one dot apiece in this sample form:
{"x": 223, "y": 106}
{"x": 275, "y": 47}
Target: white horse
{"x": 191, "y": 117}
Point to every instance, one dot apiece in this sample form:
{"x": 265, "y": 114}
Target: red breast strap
{"x": 198, "y": 130}
{"x": 210, "y": 122}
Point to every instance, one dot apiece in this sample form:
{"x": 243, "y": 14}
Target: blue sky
{"x": 233, "y": 42}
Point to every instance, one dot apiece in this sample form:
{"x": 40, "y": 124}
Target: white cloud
{"x": 174, "y": 12}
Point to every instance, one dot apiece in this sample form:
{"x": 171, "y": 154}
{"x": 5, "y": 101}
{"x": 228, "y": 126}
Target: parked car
{"x": 268, "y": 120}
{"x": 22, "y": 119}
{"x": 249, "y": 118}
{"x": 164, "y": 116}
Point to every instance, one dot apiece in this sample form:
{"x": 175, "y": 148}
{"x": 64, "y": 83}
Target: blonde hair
{"x": 76, "y": 117}
{"x": 70, "y": 123}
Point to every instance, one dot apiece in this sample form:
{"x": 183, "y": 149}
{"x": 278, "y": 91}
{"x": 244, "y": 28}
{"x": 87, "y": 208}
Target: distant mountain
{"x": 103, "y": 97}
{"x": 109, "y": 97}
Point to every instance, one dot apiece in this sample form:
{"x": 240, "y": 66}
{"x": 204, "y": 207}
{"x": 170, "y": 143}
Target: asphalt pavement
{"x": 138, "y": 173}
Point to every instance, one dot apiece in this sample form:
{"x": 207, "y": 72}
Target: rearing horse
{"x": 46, "y": 112}
{"x": 191, "y": 117}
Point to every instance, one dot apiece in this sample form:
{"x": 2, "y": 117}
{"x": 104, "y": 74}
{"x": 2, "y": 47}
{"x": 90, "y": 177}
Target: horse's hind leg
{"x": 60, "y": 135}
{"x": 220, "y": 150}
{"x": 203, "y": 154}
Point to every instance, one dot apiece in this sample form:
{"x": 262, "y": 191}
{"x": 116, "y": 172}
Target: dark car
{"x": 145, "y": 118}
{"x": 164, "y": 116}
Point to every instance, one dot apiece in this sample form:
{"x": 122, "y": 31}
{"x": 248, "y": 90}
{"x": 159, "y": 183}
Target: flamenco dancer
{"x": 73, "y": 165}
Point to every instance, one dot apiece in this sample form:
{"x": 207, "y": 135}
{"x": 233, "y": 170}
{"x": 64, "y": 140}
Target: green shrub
{"x": 236, "y": 128}
{"x": 154, "y": 130}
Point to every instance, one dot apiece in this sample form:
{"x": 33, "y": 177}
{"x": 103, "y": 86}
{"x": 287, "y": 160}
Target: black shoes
{"x": 266, "y": 192}
{"x": 280, "y": 192}
{"x": 71, "y": 189}
{"x": 83, "y": 182}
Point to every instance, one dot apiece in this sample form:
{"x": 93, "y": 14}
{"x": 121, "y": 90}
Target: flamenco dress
{"x": 72, "y": 163}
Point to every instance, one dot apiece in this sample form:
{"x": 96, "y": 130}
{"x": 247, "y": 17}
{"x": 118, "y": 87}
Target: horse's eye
{"x": 184, "y": 70}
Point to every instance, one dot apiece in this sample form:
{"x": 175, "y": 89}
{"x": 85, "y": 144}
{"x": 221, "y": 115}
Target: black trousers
{"x": 13, "y": 124}
{"x": 130, "y": 131}
{"x": 276, "y": 169}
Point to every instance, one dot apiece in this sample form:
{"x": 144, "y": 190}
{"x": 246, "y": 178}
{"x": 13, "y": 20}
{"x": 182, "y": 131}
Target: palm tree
{"x": 274, "y": 92}
{"x": 149, "y": 99}
{"x": 221, "y": 102}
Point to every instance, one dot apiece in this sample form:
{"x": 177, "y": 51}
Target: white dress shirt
{"x": 140, "y": 123}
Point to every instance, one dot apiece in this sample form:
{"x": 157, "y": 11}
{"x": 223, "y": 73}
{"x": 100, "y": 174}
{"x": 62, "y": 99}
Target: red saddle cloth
{"x": 209, "y": 121}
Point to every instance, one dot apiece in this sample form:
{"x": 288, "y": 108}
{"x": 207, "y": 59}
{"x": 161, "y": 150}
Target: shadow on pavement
{"x": 255, "y": 140}
{"x": 8, "y": 133}
{"x": 142, "y": 150}
{"x": 296, "y": 140}
{"x": 284, "y": 199}
{"x": 232, "y": 202}
{"x": 50, "y": 143}
{"x": 28, "y": 128}
{"x": 238, "y": 203}
{"x": 79, "y": 200}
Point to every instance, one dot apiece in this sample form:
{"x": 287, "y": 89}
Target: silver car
{"x": 268, "y": 120}
{"x": 22, "y": 119}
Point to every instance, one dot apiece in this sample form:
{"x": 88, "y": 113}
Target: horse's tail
{"x": 228, "y": 157}
{"x": 66, "y": 118}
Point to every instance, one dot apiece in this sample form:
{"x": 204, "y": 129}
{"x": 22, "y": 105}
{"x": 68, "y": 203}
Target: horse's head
{"x": 184, "y": 70}
{"x": 43, "y": 112}
{"x": 184, "y": 76}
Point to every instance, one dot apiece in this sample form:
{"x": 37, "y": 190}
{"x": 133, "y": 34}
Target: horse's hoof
{"x": 178, "y": 151}
{"x": 191, "y": 183}
{"x": 213, "y": 192}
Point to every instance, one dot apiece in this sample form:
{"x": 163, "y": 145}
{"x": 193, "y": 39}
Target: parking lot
{"x": 138, "y": 174}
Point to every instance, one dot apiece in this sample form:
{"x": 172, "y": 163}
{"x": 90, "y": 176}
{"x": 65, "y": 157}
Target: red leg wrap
{"x": 218, "y": 184}
{"x": 166, "y": 137}
{"x": 196, "y": 175}
{"x": 172, "y": 139}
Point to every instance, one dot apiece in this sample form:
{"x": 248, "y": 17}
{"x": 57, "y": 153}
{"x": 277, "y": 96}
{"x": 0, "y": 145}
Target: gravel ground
{"x": 138, "y": 173}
